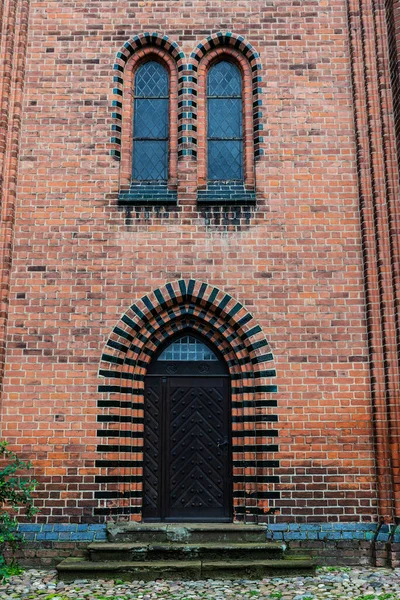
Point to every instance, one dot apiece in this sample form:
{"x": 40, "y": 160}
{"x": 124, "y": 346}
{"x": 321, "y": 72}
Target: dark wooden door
{"x": 187, "y": 454}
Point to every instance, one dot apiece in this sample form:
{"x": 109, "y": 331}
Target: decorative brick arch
{"x": 137, "y": 44}
{"x": 242, "y": 48}
{"x": 181, "y": 306}
{"x": 187, "y": 86}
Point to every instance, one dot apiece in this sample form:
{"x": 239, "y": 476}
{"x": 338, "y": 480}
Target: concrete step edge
{"x": 133, "y": 526}
{"x": 124, "y": 546}
{"x": 74, "y": 564}
{"x": 279, "y": 563}
{"x": 297, "y": 557}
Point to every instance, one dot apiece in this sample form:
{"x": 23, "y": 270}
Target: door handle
{"x": 223, "y": 443}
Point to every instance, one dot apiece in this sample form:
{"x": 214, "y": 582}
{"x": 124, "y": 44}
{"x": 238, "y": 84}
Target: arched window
{"x": 224, "y": 123}
{"x": 149, "y": 136}
{"x": 187, "y": 348}
{"x": 225, "y": 166}
{"x": 150, "y": 123}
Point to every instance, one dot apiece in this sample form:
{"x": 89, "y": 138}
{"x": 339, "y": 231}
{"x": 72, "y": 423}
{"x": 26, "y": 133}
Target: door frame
{"x": 218, "y": 370}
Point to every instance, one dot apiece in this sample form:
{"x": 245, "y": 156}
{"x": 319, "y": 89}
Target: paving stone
{"x": 328, "y": 584}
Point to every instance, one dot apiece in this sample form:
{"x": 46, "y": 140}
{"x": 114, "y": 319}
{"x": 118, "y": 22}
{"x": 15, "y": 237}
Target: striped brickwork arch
{"x": 186, "y": 305}
{"x": 133, "y": 46}
{"x": 237, "y": 42}
{"x": 187, "y": 85}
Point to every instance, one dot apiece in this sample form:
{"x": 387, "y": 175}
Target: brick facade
{"x": 96, "y": 271}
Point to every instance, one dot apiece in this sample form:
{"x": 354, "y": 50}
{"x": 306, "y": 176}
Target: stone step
{"x": 157, "y": 551}
{"x": 76, "y": 568}
{"x": 191, "y": 533}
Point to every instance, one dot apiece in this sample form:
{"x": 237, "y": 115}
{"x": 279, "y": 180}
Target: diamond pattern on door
{"x": 196, "y": 461}
{"x": 186, "y": 451}
{"x": 152, "y": 440}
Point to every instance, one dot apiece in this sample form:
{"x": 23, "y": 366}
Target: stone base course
{"x": 329, "y": 543}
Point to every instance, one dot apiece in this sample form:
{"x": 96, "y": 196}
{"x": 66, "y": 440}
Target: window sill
{"x": 145, "y": 192}
{"x": 226, "y": 193}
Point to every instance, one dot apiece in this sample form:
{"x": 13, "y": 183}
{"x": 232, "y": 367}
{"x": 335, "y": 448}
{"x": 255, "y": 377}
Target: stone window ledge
{"x": 150, "y": 193}
{"x": 226, "y": 193}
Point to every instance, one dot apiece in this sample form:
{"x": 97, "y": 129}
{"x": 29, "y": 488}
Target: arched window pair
{"x": 151, "y": 123}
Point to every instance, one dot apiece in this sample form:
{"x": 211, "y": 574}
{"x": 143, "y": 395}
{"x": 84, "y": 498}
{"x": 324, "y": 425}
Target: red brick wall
{"x": 295, "y": 261}
{"x": 393, "y": 26}
{"x": 14, "y": 16}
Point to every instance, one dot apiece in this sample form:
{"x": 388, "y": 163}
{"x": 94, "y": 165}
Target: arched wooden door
{"x": 187, "y": 435}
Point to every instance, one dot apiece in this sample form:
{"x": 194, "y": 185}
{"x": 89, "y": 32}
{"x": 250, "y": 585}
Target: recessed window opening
{"x": 187, "y": 348}
{"x": 224, "y": 123}
{"x": 150, "y": 123}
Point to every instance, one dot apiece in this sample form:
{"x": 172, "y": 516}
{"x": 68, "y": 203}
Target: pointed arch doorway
{"x": 187, "y": 473}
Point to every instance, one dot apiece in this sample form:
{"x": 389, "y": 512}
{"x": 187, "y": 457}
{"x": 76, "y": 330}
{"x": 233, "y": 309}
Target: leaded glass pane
{"x": 225, "y": 160}
{"x": 150, "y": 160}
{"x": 150, "y": 123}
{"x": 224, "y": 123}
{"x": 224, "y": 118}
{"x": 151, "y": 118}
{"x": 224, "y": 79}
{"x": 187, "y": 348}
{"x": 151, "y": 81}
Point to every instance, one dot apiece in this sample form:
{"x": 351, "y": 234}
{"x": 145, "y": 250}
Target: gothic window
{"x": 150, "y": 123}
{"x": 224, "y": 123}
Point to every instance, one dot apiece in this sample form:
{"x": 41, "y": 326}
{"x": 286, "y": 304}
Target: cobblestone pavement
{"x": 354, "y": 584}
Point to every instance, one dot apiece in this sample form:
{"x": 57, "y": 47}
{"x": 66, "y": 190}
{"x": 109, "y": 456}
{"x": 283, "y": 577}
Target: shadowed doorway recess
{"x": 187, "y": 439}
